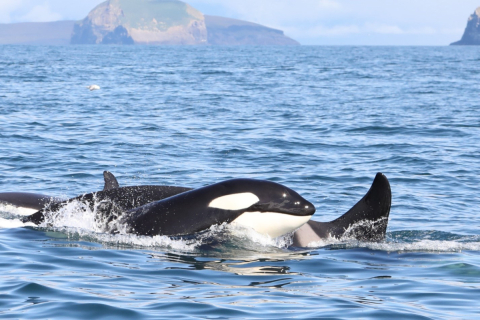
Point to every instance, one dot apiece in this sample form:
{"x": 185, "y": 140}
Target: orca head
{"x": 282, "y": 200}
{"x": 268, "y": 207}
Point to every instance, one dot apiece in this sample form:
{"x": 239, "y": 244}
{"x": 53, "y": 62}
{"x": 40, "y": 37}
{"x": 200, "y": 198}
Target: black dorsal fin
{"x": 365, "y": 221}
{"x": 110, "y": 181}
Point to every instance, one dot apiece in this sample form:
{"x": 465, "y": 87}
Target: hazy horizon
{"x": 311, "y": 22}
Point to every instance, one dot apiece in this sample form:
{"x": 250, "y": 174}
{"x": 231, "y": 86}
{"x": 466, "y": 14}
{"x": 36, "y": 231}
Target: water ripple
{"x": 321, "y": 120}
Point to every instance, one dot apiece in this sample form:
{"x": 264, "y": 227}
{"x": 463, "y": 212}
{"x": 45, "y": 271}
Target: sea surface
{"x": 320, "y": 120}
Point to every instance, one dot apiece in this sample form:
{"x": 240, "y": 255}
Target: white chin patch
{"x": 236, "y": 201}
{"x": 273, "y": 224}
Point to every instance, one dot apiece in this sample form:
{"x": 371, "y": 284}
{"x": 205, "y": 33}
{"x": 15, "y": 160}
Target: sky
{"x": 311, "y": 22}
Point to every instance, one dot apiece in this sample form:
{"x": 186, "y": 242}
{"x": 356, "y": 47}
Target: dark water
{"x": 321, "y": 120}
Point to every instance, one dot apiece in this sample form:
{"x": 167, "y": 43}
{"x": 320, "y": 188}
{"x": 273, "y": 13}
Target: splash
{"x": 9, "y": 217}
{"x": 436, "y": 246}
{"x": 81, "y": 221}
{"x": 84, "y": 220}
{"x": 359, "y": 230}
{"x": 401, "y": 241}
{"x": 388, "y": 245}
{"x": 14, "y": 223}
{"x": 223, "y": 238}
{"x": 74, "y": 215}
{"x": 97, "y": 216}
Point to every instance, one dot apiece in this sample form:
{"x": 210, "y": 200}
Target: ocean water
{"x": 320, "y": 120}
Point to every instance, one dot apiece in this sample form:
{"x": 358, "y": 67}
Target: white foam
{"x": 424, "y": 246}
{"x": 14, "y": 223}
{"x": 470, "y": 243}
{"x": 324, "y": 242}
{"x": 390, "y": 246}
{"x": 129, "y": 240}
{"x": 238, "y": 236}
{"x": 74, "y": 215}
{"x": 78, "y": 220}
{"x": 350, "y": 234}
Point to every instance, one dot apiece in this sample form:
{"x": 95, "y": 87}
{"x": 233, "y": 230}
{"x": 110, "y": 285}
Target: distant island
{"x": 147, "y": 22}
{"x": 471, "y": 36}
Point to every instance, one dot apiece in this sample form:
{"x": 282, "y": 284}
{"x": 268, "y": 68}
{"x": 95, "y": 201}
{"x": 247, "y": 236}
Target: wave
{"x": 409, "y": 241}
{"x": 78, "y": 221}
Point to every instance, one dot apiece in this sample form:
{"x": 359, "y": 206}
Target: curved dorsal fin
{"x": 110, "y": 181}
{"x": 366, "y": 221}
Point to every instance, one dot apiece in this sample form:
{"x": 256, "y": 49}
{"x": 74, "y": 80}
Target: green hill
{"x": 141, "y": 22}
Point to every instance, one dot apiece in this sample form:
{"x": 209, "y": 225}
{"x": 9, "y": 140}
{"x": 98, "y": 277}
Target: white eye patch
{"x": 236, "y": 201}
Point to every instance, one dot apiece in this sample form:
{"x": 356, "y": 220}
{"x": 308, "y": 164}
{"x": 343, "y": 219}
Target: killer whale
{"x": 29, "y": 203}
{"x": 26, "y": 203}
{"x": 366, "y": 221}
{"x": 267, "y": 207}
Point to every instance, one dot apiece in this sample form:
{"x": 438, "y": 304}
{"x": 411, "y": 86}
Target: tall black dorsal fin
{"x": 366, "y": 221}
{"x": 110, "y": 181}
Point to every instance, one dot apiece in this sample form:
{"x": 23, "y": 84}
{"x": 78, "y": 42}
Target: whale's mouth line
{"x": 267, "y": 207}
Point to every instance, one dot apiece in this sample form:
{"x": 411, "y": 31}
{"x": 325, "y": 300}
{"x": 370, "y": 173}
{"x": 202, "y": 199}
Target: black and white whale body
{"x": 366, "y": 221}
{"x": 27, "y": 203}
{"x": 267, "y": 207}
{"x": 112, "y": 202}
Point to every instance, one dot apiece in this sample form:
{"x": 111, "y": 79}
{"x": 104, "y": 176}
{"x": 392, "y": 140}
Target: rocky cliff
{"x": 141, "y": 22}
{"x": 471, "y": 36}
{"x": 226, "y": 31}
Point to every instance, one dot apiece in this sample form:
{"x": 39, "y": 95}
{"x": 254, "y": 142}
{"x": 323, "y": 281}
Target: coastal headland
{"x": 144, "y": 22}
{"x": 471, "y": 36}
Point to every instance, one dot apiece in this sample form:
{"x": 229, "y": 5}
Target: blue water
{"x": 320, "y": 120}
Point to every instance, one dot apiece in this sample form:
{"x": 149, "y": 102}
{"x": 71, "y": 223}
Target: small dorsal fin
{"x": 110, "y": 181}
